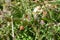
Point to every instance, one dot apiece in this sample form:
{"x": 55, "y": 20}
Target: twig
{"x": 8, "y": 3}
{"x": 12, "y": 27}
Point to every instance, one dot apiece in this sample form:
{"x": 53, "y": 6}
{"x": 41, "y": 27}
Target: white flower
{"x": 36, "y": 9}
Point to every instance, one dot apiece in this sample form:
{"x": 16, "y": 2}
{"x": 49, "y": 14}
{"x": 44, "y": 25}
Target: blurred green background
{"x": 32, "y": 19}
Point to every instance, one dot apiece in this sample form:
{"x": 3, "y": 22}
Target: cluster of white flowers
{"x": 37, "y": 10}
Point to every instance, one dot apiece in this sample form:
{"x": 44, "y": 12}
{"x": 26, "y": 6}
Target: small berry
{"x": 21, "y": 27}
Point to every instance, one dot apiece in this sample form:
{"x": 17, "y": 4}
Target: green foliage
{"x": 45, "y": 27}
